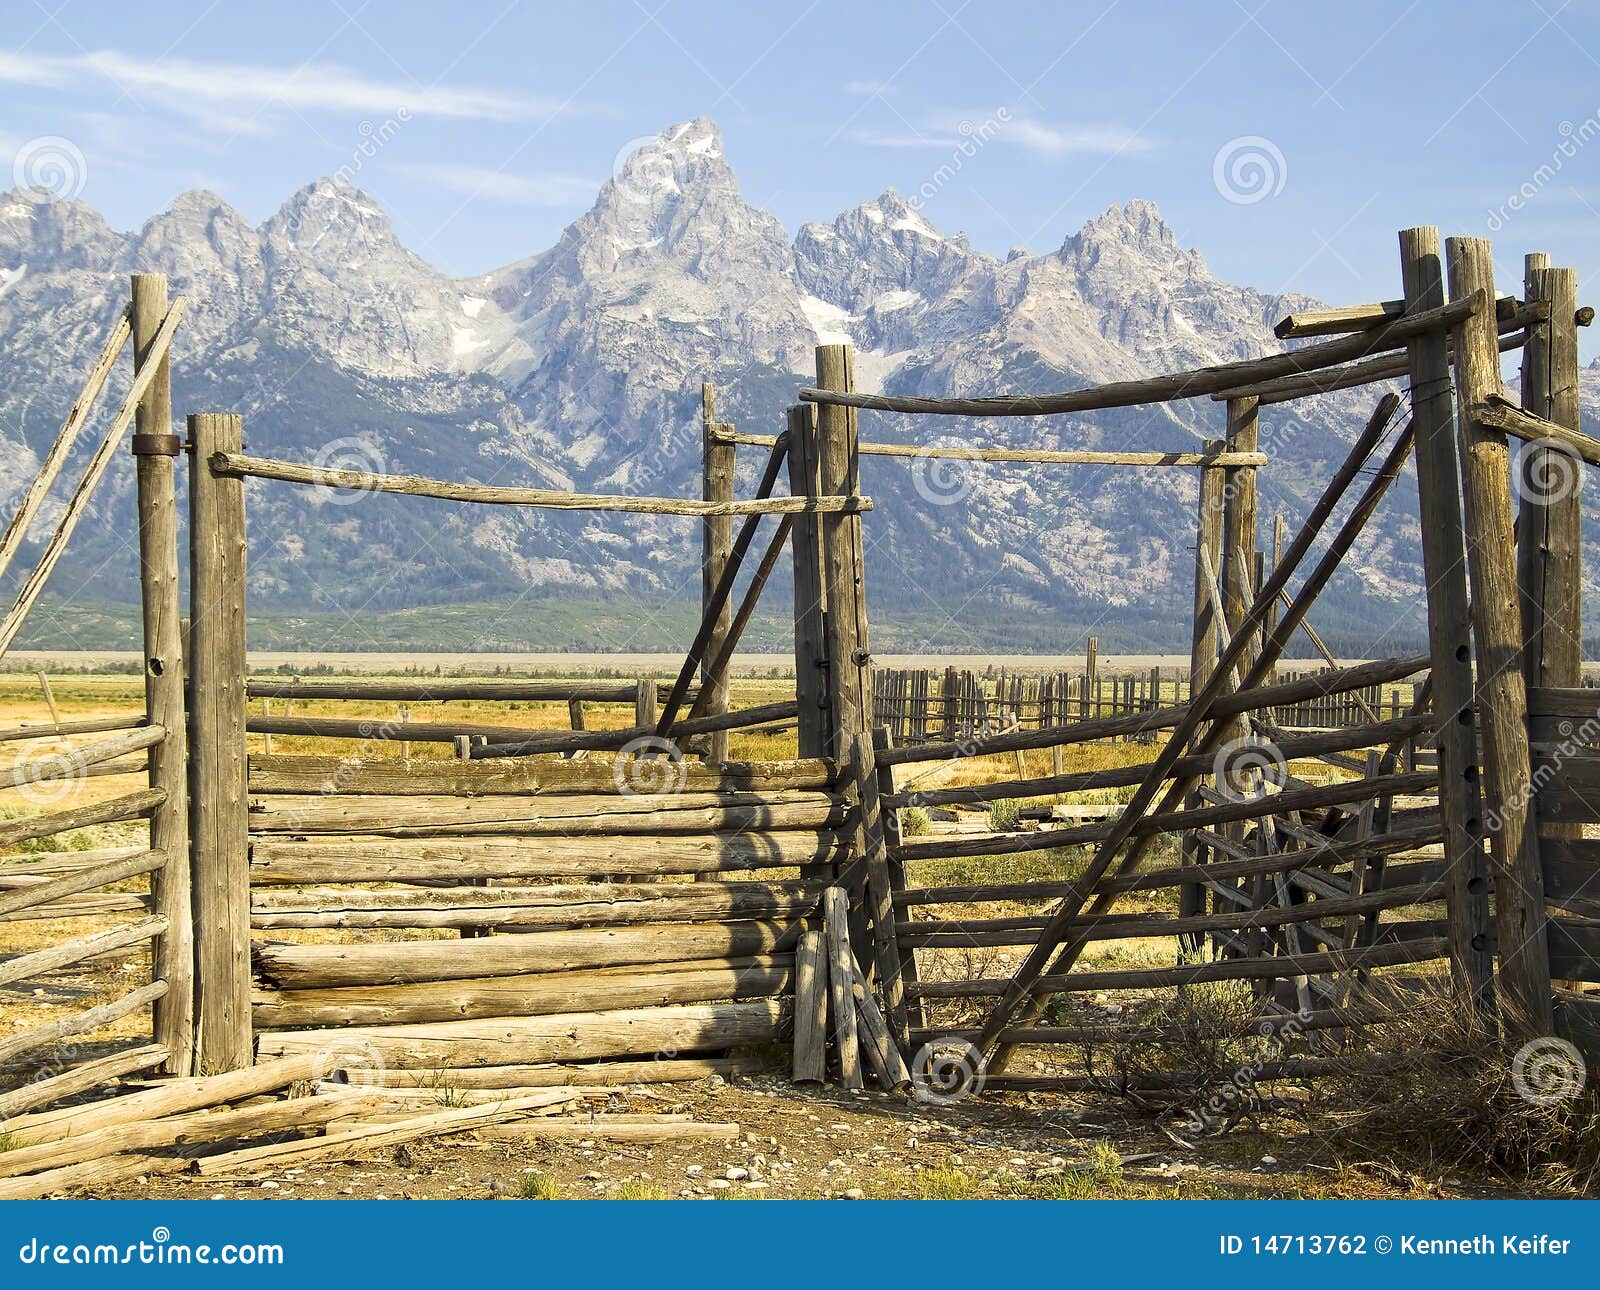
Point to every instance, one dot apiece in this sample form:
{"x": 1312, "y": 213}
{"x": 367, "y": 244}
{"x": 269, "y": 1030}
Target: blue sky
{"x": 1287, "y": 141}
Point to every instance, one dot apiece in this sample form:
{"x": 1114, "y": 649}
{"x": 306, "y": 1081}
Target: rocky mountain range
{"x": 580, "y": 367}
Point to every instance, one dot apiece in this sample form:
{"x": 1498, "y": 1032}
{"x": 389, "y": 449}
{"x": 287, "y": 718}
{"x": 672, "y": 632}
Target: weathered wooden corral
{"x": 630, "y": 904}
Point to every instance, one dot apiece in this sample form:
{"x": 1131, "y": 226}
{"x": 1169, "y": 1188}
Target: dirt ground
{"x": 824, "y": 1143}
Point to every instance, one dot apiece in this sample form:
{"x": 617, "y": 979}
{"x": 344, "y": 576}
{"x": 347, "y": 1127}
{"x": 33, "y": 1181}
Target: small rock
{"x": 720, "y": 1184}
{"x": 1269, "y": 1161}
{"x": 591, "y": 1177}
{"x": 694, "y": 1171}
{"x": 268, "y": 1185}
{"x": 736, "y": 1173}
{"x": 755, "y": 1184}
{"x": 854, "y": 1193}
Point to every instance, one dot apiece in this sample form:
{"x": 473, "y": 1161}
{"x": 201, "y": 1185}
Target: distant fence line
{"x": 916, "y": 705}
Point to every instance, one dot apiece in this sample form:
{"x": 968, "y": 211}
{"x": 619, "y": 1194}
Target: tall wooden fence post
{"x": 1521, "y": 935}
{"x": 155, "y": 447}
{"x": 844, "y": 577}
{"x": 716, "y": 546}
{"x": 218, "y": 805}
{"x": 1550, "y": 510}
{"x": 810, "y": 624}
{"x": 1203, "y": 648}
{"x": 1449, "y": 629}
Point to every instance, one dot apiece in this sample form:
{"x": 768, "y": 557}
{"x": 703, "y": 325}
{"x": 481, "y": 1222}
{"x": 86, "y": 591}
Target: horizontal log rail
{"x": 130, "y": 807}
{"x": 390, "y": 729}
{"x": 281, "y": 861}
{"x": 1291, "y": 746}
{"x": 391, "y": 777}
{"x": 1296, "y": 690}
{"x": 1296, "y": 799}
{"x": 588, "y": 905}
{"x": 1332, "y": 853}
{"x": 1024, "y": 931}
{"x": 86, "y": 726}
{"x": 1363, "y": 1014}
{"x": 71, "y": 884}
{"x": 764, "y": 976}
{"x": 438, "y": 689}
{"x": 80, "y": 949}
{"x": 686, "y": 1028}
{"x": 241, "y": 464}
{"x": 617, "y": 740}
{"x": 1176, "y": 385}
{"x": 616, "y": 813}
{"x": 75, "y": 763}
{"x": 1029, "y": 456}
{"x": 1500, "y": 414}
{"x": 1386, "y": 367}
{"x": 1273, "y": 967}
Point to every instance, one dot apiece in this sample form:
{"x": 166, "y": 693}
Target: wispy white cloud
{"x": 238, "y": 88}
{"x": 523, "y": 190}
{"x": 945, "y": 131}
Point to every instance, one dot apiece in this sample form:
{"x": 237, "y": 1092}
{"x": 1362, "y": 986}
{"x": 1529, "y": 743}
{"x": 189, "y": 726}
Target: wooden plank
{"x": 218, "y": 807}
{"x": 238, "y": 465}
{"x": 810, "y": 1009}
{"x": 437, "y": 689}
{"x": 844, "y": 571}
{"x": 1030, "y": 456}
{"x": 841, "y": 980}
{"x": 1335, "y": 322}
{"x": 73, "y": 763}
{"x": 1522, "y": 947}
